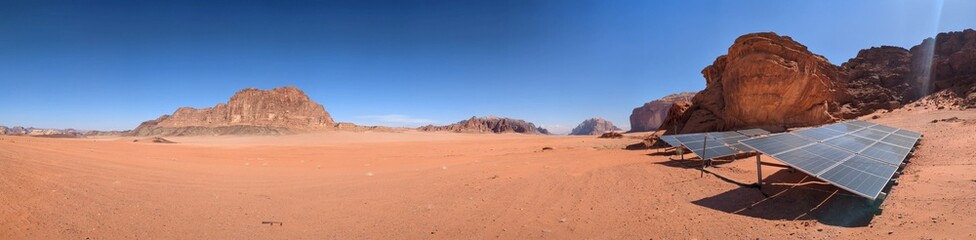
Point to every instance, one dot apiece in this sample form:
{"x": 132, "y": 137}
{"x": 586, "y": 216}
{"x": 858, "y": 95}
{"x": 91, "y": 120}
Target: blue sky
{"x": 111, "y": 65}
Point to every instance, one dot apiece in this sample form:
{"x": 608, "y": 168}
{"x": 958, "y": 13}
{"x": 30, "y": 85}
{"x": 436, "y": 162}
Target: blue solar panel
{"x": 860, "y": 123}
{"x": 819, "y": 134}
{"x": 775, "y": 144}
{"x": 857, "y": 156}
{"x": 671, "y": 140}
{"x": 907, "y": 133}
{"x": 884, "y": 128}
{"x": 753, "y": 132}
{"x": 870, "y": 134}
{"x": 888, "y": 153}
{"x": 860, "y": 175}
{"x": 841, "y": 127}
{"x": 851, "y": 143}
{"x": 899, "y": 140}
{"x": 695, "y": 137}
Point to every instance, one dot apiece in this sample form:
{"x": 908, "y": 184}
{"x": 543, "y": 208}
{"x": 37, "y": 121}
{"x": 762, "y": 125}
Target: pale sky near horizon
{"x": 109, "y": 65}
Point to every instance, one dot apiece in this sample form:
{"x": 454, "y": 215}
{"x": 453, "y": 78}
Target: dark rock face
{"x": 249, "y": 112}
{"x": 650, "y": 116}
{"x": 594, "y": 126}
{"x": 488, "y": 125}
{"x": 878, "y": 78}
{"x": 953, "y": 64}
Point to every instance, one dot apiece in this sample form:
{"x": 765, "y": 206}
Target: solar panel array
{"x": 719, "y": 144}
{"x": 857, "y": 156}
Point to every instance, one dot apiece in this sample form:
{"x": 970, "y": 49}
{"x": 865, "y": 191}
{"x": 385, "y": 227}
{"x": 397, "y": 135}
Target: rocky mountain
{"x": 489, "y": 125}
{"x": 41, "y": 132}
{"x": 249, "y": 112}
{"x": 773, "y": 82}
{"x": 594, "y": 126}
{"x": 650, "y": 116}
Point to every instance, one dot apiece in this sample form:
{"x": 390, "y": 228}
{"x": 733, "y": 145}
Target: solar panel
{"x": 819, "y": 134}
{"x": 695, "y": 137}
{"x": 778, "y": 143}
{"x": 860, "y": 123}
{"x": 841, "y": 127}
{"x": 722, "y": 135}
{"x": 857, "y": 156}
{"x": 870, "y": 134}
{"x": 671, "y": 140}
{"x": 753, "y": 132}
{"x": 850, "y": 142}
{"x": 907, "y": 133}
{"x": 888, "y": 153}
{"x": 884, "y": 128}
{"x": 814, "y": 158}
{"x": 713, "y": 151}
{"x": 899, "y": 140}
{"x": 860, "y": 175}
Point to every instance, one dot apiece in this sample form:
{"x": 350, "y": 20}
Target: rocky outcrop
{"x": 594, "y": 126}
{"x": 650, "y": 116}
{"x": 488, "y": 125}
{"x": 765, "y": 80}
{"x": 41, "y": 132}
{"x": 773, "y": 82}
{"x": 952, "y": 66}
{"x": 878, "y": 78}
{"x": 249, "y": 112}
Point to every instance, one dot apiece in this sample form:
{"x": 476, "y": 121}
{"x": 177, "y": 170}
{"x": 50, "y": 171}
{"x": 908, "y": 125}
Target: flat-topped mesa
{"x": 649, "y": 116}
{"x": 594, "y": 126}
{"x": 489, "y": 125}
{"x": 250, "y": 111}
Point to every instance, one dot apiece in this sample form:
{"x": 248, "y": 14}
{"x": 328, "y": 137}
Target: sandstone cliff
{"x": 250, "y": 112}
{"x": 650, "y": 116}
{"x": 765, "y": 80}
{"x": 489, "y": 125}
{"x": 773, "y": 82}
{"x": 594, "y": 126}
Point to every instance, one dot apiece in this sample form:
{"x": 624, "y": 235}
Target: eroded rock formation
{"x": 773, "y": 82}
{"x": 489, "y": 125}
{"x": 765, "y": 80}
{"x": 249, "y": 112}
{"x": 650, "y": 116}
{"x": 594, "y": 126}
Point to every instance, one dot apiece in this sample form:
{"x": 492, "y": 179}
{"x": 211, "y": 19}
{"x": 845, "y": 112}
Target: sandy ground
{"x": 410, "y": 185}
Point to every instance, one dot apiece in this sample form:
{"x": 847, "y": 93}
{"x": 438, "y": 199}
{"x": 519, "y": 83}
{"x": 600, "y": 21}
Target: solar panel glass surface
{"x": 888, "y": 153}
{"x": 814, "y": 158}
{"x": 775, "y": 144}
{"x": 851, "y": 143}
{"x": 860, "y": 175}
{"x": 819, "y": 134}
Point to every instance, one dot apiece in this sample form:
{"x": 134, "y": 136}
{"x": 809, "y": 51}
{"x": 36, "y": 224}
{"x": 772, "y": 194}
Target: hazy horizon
{"x": 112, "y": 65}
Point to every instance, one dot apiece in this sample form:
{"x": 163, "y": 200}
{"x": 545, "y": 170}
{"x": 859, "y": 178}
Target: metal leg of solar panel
{"x": 759, "y": 172}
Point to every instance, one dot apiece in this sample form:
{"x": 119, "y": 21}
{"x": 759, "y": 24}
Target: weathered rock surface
{"x": 878, "y": 78}
{"x": 764, "y": 80}
{"x": 489, "y": 125}
{"x": 594, "y": 126}
{"x": 650, "y": 116}
{"x": 773, "y": 82}
{"x": 249, "y": 112}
